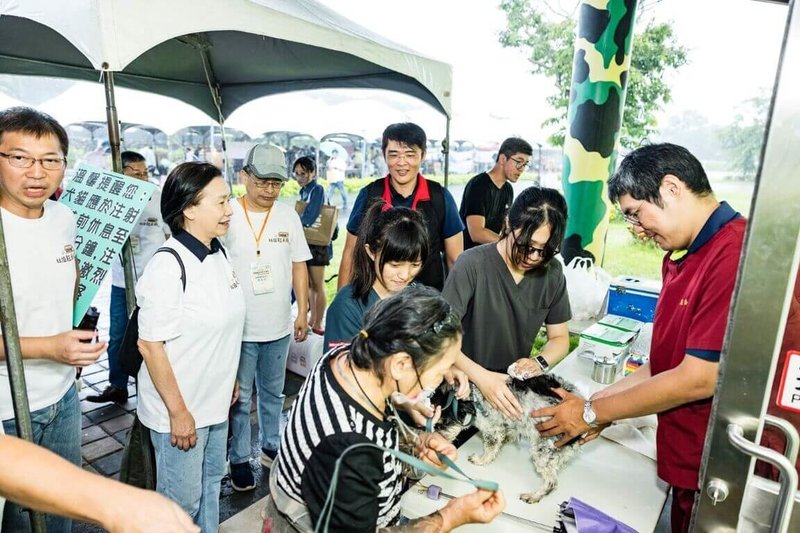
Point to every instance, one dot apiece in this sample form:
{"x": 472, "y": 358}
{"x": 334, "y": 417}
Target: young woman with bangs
{"x": 391, "y": 248}
{"x": 505, "y": 291}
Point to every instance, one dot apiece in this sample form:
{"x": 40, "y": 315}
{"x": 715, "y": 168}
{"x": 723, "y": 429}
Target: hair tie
{"x": 363, "y": 334}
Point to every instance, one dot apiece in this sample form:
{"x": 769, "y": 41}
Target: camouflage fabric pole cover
{"x": 597, "y": 98}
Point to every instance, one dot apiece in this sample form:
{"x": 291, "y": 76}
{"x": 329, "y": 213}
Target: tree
{"x": 743, "y": 138}
{"x": 548, "y": 36}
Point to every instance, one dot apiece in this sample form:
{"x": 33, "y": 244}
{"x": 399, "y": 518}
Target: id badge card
{"x": 136, "y": 244}
{"x": 261, "y": 277}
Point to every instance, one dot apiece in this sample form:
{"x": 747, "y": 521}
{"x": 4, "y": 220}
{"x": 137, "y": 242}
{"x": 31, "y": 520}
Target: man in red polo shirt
{"x": 663, "y": 191}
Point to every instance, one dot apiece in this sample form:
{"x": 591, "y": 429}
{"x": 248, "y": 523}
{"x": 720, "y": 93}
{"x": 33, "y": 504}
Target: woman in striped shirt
{"x": 408, "y": 342}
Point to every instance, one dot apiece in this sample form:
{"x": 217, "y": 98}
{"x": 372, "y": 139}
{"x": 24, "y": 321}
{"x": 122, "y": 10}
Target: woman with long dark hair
{"x": 516, "y": 286}
{"x": 191, "y": 319}
{"x": 390, "y": 251}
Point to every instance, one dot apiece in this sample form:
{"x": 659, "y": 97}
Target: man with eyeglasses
{"x": 488, "y": 196}
{"x": 268, "y": 249}
{"x": 663, "y": 192}
{"x": 146, "y": 237}
{"x": 40, "y": 242}
{"x": 404, "y": 147}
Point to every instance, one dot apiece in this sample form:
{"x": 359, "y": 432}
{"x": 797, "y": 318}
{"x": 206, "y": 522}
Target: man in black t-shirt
{"x": 488, "y": 196}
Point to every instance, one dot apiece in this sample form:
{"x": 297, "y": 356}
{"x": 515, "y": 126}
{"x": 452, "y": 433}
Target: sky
{"x": 733, "y": 52}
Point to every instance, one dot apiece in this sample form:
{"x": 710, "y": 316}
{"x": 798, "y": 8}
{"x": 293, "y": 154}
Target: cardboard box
{"x": 633, "y": 298}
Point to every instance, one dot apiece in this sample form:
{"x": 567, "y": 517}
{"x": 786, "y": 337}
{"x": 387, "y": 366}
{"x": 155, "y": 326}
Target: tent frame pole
{"x": 116, "y": 157}
{"x": 446, "y": 151}
{"x": 16, "y": 370}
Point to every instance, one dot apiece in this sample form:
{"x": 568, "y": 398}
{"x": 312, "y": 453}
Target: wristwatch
{"x": 589, "y": 416}
{"x": 543, "y": 364}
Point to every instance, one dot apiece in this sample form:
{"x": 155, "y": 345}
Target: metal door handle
{"x": 783, "y": 509}
{"x": 790, "y": 432}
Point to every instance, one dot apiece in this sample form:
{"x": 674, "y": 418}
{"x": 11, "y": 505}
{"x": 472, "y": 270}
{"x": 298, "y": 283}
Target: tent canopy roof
{"x": 246, "y": 48}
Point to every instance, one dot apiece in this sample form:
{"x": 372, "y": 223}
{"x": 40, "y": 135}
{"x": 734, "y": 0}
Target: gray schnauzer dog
{"x": 497, "y": 430}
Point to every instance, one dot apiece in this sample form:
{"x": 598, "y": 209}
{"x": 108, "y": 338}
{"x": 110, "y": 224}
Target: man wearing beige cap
{"x": 268, "y": 249}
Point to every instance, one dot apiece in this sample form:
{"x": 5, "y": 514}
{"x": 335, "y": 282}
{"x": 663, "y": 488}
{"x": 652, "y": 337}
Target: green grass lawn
{"x": 624, "y": 255}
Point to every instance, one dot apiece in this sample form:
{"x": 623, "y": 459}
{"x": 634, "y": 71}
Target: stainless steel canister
{"x": 604, "y": 370}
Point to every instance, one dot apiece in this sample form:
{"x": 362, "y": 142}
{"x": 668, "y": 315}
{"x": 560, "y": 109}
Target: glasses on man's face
{"x": 48, "y": 163}
{"x": 409, "y": 157}
{"x": 521, "y": 164}
{"x": 266, "y": 184}
{"x": 633, "y": 217}
{"x": 141, "y": 174}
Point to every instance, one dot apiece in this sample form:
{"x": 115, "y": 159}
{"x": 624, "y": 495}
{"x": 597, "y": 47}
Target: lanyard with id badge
{"x": 260, "y": 272}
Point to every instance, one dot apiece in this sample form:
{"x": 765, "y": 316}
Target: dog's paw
{"x": 531, "y": 498}
{"x": 476, "y": 459}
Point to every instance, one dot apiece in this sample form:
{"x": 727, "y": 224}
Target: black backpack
{"x": 130, "y": 359}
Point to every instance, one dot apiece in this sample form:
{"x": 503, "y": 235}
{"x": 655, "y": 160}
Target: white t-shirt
{"x": 146, "y": 237}
{"x": 202, "y": 328}
{"x": 336, "y": 168}
{"x": 41, "y": 257}
{"x": 269, "y": 315}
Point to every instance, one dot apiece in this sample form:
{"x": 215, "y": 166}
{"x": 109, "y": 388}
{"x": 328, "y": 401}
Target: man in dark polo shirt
{"x": 403, "y": 147}
{"x": 488, "y": 196}
{"x": 663, "y": 191}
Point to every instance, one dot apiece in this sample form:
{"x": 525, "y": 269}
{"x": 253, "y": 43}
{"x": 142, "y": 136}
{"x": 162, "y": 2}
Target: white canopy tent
{"x": 241, "y": 49}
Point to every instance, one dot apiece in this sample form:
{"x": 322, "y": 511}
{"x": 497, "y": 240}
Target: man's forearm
{"x": 483, "y": 235}
{"x": 654, "y": 395}
{"x": 34, "y": 477}
{"x": 33, "y": 348}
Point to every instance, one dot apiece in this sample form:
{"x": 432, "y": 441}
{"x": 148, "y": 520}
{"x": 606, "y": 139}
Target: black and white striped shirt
{"x": 324, "y": 421}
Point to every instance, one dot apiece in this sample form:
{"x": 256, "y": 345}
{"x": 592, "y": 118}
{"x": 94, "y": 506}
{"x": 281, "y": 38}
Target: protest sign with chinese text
{"x": 106, "y": 207}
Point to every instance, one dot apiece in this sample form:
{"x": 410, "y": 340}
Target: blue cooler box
{"x": 633, "y": 298}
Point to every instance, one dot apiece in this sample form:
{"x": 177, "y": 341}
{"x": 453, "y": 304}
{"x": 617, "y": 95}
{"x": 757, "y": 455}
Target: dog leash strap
{"x": 478, "y": 483}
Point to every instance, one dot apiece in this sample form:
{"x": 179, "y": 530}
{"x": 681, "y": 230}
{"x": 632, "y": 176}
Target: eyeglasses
{"x": 143, "y": 174}
{"x": 411, "y": 156}
{"x": 633, "y": 218}
{"x": 526, "y": 250}
{"x": 48, "y": 163}
{"x": 520, "y": 164}
{"x": 266, "y": 184}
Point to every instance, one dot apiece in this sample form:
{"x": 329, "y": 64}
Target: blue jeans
{"x": 338, "y": 186}
{"x": 118, "y": 315}
{"x": 56, "y": 427}
{"x": 262, "y": 363}
{"x": 192, "y": 478}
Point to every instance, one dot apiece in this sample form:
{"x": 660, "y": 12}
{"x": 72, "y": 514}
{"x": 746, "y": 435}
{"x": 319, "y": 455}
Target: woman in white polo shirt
{"x": 190, "y": 339}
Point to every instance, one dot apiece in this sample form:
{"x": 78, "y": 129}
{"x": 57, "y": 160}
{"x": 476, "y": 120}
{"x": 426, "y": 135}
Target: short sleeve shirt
{"x": 691, "y": 318}
{"x": 346, "y": 316}
{"x": 282, "y": 243}
{"x": 500, "y": 317}
{"x": 483, "y": 198}
{"x": 201, "y": 327}
{"x": 41, "y": 257}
